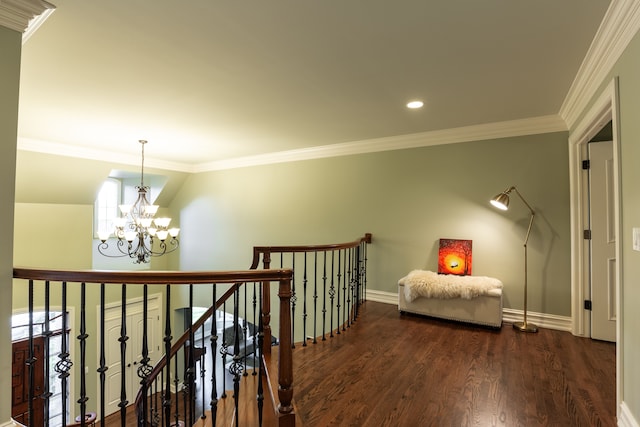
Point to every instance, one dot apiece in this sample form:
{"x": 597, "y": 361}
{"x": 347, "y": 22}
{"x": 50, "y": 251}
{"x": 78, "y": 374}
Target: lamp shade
{"x": 501, "y": 201}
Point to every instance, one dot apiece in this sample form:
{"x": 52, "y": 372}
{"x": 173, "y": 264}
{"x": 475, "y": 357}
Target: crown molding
{"x": 16, "y": 14}
{"x": 619, "y": 25}
{"x": 536, "y": 125}
{"x": 532, "y": 126}
{"x": 38, "y": 146}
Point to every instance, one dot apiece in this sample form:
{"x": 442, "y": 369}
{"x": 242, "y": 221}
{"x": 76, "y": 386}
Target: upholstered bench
{"x": 469, "y": 299}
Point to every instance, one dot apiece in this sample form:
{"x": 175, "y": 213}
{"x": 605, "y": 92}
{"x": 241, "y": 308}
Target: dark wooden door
{"x": 20, "y": 383}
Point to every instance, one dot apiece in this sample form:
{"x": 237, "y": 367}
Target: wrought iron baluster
{"x": 47, "y": 339}
{"x": 254, "y": 333}
{"x": 224, "y": 348}
{"x": 315, "y": 296}
{"x": 304, "y": 303}
{"x": 31, "y": 360}
{"x": 357, "y": 292}
{"x": 214, "y": 346}
{"x": 244, "y": 333}
{"x": 324, "y": 296}
{"x": 166, "y": 403}
{"x": 236, "y": 366}
{"x": 260, "y": 394}
{"x": 190, "y": 378}
{"x": 345, "y": 287}
{"x": 63, "y": 366}
{"x": 332, "y": 292}
{"x": 294, "y": 299}
{"x": 144, "y": 370}
{"x": 366, "y": 258}
{"x": 102, "y": 369}
{"x": 203, "y": 369}
{"x": 338, "y": 299}
{"x": 123, "y": 356}
{"x": 351, "y": 288}
{"x": 83, "y": 353}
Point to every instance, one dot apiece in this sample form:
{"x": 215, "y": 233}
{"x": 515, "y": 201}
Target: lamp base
{"x": 525, "y": 327}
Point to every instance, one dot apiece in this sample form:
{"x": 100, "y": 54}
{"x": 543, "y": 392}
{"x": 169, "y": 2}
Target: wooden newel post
{"x": 286, "y": 416}
{"x": 266, "y": 308}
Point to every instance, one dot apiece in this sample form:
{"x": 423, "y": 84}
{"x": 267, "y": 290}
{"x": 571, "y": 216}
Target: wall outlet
{"x": 636, "y": 239}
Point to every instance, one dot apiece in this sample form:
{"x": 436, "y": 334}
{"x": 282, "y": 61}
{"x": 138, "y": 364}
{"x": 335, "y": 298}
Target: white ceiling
{"x": 209, "y": 80}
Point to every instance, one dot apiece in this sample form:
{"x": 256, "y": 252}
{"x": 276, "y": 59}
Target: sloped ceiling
{"x": 212, "y": 80}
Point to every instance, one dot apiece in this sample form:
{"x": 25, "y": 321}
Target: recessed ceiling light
{"x": 415, "y": 104}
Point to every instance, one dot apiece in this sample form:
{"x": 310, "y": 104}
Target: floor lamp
{"x": 501, "y": 201}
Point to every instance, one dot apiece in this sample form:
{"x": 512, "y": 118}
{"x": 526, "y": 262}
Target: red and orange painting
{"x": 454, "y": 257}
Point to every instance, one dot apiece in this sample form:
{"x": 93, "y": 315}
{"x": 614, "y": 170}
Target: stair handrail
{"x": 266, "y": 252}
{"x": 257, "y": 250}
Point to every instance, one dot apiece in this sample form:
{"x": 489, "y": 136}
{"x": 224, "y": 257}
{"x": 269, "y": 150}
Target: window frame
{"x": 99, "y": 214}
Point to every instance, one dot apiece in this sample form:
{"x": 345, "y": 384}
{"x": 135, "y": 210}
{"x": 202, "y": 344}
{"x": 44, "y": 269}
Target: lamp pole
{"x": 501, "y": 201}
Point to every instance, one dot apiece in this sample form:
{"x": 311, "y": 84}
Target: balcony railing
{"x": 122, "y": 361}
{"x": 85, "y": 290}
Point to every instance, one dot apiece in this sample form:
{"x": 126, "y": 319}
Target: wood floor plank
{"x": 402, "y": 370}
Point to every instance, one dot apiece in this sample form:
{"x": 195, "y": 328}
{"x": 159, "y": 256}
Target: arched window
{"x": 106, "y": 207}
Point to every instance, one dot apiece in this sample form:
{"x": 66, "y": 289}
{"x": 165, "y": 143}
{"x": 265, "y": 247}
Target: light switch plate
{"x": 636, "y": 239}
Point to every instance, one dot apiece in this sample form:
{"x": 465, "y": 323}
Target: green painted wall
{"x": 10, "y": 46}
{"x": 408, "y": 200}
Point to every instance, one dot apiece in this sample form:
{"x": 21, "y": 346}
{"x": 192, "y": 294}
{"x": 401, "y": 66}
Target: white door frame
{"x": 605, "y": 109}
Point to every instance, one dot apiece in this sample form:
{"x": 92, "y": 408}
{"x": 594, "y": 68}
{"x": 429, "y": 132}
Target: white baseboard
{"x": 383, "y": 297}
{"x": 543, "y": 320}
{"x": 549, "y": 321}
{"x": 9, "y": 423}
{"x": 626, "y": 418}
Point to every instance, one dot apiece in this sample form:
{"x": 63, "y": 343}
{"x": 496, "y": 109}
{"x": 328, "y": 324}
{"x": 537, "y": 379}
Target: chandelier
{"x": 139, "y": 234}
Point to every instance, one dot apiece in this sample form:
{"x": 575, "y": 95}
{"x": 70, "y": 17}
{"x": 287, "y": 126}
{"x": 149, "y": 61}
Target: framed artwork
{"x": 454, "y": 257}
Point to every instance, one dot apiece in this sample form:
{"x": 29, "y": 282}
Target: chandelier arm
{"x": 104, "y": 246}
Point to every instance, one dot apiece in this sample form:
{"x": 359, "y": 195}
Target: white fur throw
{"x": 421, "y": 283}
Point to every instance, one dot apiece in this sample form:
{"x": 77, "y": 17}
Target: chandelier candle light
{"x": 137, "y": 229}
{"x": 501, "y": 201}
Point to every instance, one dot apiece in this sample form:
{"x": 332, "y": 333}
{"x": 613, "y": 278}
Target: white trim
{"x": 549, "y": 321}
{"x": 512, "y": 128}
{"x": 604, "y": 109}
{"x": 16, "y": 14}
{"x": 39, "y": 146}
{"x": 531, "y": 126}
{"x": 36, "y": 23}
{"x": 618, "y": 27}
{"x": 625, "y": 417}
{"x": 382, "y": 296}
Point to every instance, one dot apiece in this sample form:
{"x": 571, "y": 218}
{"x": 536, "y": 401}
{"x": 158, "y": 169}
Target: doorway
{"x": 127, "y": 369}
{"x": 602, "y": 238}
{"x": 42, "y": 385}
{"x": 603, "y": 110}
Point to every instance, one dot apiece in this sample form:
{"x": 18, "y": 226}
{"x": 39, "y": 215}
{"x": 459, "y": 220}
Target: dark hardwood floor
{"x": 390, "y": 369}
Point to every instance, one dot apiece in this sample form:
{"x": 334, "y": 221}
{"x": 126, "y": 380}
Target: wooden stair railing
{"x": 334, "y": 273}
{"x": 342, "y": 285}
{"x": 345, "y": 283}
{"x": 83, "y": 286}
